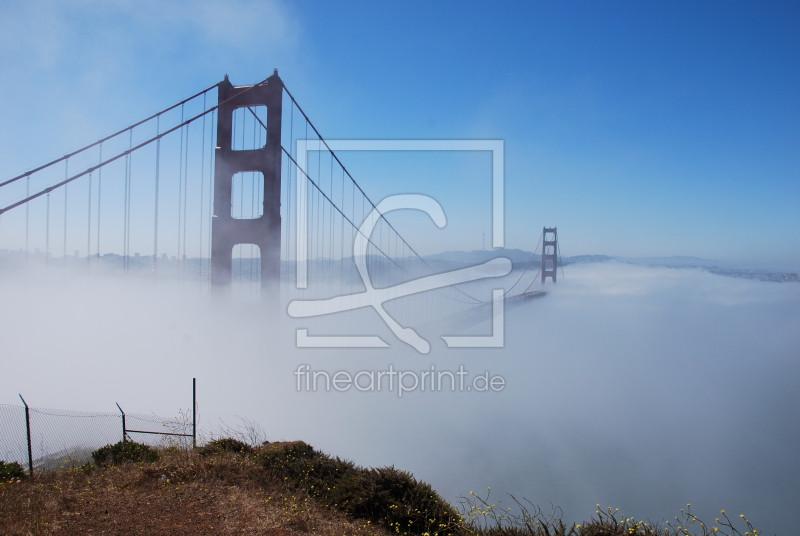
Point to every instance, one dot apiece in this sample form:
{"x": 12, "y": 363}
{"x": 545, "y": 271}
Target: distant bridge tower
{"x": 265, "y": 230}
{"x": 549, "y": 253}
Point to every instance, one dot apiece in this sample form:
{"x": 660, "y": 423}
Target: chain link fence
{"x": 41, "y": 439}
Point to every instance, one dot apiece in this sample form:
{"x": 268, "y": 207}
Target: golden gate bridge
{"x": 208, "y": 190}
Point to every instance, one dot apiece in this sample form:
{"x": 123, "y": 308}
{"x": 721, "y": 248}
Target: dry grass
{"x": 214, "y": 492}
{"x": 181, "y": 494}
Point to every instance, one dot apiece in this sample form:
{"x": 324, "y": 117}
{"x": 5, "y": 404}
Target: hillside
{"x": 183, "y": 493}
{"x": 279, "y": 489}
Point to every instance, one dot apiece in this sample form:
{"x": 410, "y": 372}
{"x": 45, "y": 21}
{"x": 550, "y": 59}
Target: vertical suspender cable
{"x": 286, "y": 222}
{"x": 352, "y": 218}
{"x": 212, "y": 140}
{"x": 126, "y": 217}
{"x": 130, "y": 200}
{"x": 256, "y": 144}
{"x": 158, "y": 169}
{"x": 89, "y": 226}
{"x": 99, "y": 192}
{"x": 180, "y": 186}
{"x": 202, "y": 190}
{"x": 66, "y": 176}
{"x": 312, "y": 236}
{"x": 320, "y": 215}
{"x": 341, "y": 244}
{"x": 185, "y": 198}
{"x": 369, "y": 243}
{"x": 47, "y": 234}
{"x": 333, "y": 238}
{"x": 309, "y": 214}
{"x": 241, "y": 195}
{"x": 27, "y": 219}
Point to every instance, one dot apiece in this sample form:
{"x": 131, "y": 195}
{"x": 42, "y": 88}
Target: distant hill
{"x": 676, "y": 260}
{"x": 519, "y": 258}
{"x": 482, "y": 255}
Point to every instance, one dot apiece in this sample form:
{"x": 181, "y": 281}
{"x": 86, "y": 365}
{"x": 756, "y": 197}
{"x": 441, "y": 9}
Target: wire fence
{"x": 43, "y": 439}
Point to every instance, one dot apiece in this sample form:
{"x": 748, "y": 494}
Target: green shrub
{"x": 124, "y": 451}
{"x": 226, "y": 444}
{"x": 11, "y": 471}
{"x": 386, "y": 496}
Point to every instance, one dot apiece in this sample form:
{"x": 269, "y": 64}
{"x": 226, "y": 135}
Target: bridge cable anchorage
{"x": 102, "y": 140}
{"x": 131, "y": 149}
{"x": 365, "y": 196}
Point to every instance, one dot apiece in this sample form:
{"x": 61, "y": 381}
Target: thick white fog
{"x": 635, "y": 387}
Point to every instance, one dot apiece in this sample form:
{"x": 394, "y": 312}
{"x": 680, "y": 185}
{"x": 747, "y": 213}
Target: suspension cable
{"x": 122, "y": 154}
{"x": 31, "y": 172}
{"x": 364, "y": 196}
{"x": 526, "y": 267}
{"x": 369, "y": 239}
{"x": 332, "y": 203}
{"x": 381, "y": 216}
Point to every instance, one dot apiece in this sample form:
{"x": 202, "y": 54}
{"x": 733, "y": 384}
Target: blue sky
{"x": 639, "y": 128}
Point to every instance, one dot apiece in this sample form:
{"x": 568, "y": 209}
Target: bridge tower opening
{"x": 264, "y": 230}
{"x": 549, "y": 253}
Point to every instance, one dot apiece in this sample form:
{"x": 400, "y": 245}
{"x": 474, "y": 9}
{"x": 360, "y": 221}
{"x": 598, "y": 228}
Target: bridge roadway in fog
{"x": 481, "y": 313}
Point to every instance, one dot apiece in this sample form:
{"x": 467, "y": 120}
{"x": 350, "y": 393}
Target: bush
{"x": 11, "y": 471}
{"x": 124, "y": 451}
{"x": 391, "y": 498}
{"x": 227, "y": 444}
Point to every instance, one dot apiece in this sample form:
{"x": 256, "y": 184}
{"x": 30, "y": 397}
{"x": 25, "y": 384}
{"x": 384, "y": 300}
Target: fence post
{"x": 194, "y": 413}
{"x": 124, "y": 430}
{"x": 28, "y": 430}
